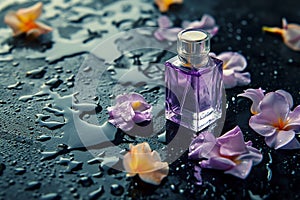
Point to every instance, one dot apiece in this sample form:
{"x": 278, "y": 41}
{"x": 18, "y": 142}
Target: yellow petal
{"x": 30, "y": 14}
{"x": 164, "y": 5}
{"x": 141, "y": 160}
{"x": 273, "y": 30}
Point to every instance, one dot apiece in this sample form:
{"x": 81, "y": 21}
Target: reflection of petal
{"x": 280, "y": 139}
{"x": 256, "y": 95}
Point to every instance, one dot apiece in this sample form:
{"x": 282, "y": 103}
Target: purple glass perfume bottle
{"x": 193, "y": 82}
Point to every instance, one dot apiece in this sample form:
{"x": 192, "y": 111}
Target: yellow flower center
{"x": 280, "y": 125}
{"x": 136, "y": 105}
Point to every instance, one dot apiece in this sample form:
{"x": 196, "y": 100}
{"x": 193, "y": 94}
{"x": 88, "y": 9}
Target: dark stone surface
{"x": 66, "y": 174}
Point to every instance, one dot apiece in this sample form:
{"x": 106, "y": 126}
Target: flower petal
{"x": 164, "y": 5}
{"x": 261, "y": 124}
{"x": 169, "y": 34}
{"x": 293, "y": 144}
{"x": 229, "y": 79}
{"x": 14, "y": 23}
{"x": 280, "y": 139}
{"x": 242, "y": 78}
{"x": 294, "y": 120}
{"x": 287, "y": 96}
{"x": 241, "y": 170}
{"x": 164, "y": 22}
{"x": 219, "y": 163}
{"x": 31, "y": 13}
{"x": 254, "y": 155}
{"x": 206, "y": 23}
{"x": 256, "y": 95}
{"x": 232, "y": 143}
{"x": 233, "y": 60}
{"x": 202, "y": 146}
{"x": 291, "y": 36}
{"x": 155, "y": 177}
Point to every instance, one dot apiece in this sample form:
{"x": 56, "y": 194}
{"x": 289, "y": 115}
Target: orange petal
{"x": 30, "y": 14}
{"x": 164, "y": 5}
{"x": 13, "y": 22}
{"x": 155, "y": 177}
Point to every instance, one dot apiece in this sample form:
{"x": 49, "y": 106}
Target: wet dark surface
{"x": 43, "y": 157}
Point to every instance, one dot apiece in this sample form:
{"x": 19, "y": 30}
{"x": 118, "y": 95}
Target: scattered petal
{"x": 146, "y": 163}
{"x": 273, "y": 118}
{"x": 169, "y": 33}
{"x": 24, "y": 21}
{"x": 207, "y": 23}
{"x": 289, "y": 32}
{"x": 256, "y": 95}
{"x": 233, "y": 65}
{"x": 229, "y": 153}
{"x": 164, "y": 5}
{"x": 129, "y": 110}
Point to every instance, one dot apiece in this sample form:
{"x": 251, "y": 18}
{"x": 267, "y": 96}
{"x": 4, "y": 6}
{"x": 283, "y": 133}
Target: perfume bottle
{"x": 194, "y": 83}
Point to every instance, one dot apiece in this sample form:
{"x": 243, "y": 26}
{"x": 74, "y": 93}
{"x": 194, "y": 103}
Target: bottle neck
{"x": 194, "y": 61}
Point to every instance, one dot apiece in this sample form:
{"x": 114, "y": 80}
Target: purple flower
{"x": 228, "y": 152}
{"x": 167, "y": 32}
{"x": 207, "y": 23}
{"x": 233, "y": 65}
{"x": 274, "y": 119}
{"x": 129, "y": 109}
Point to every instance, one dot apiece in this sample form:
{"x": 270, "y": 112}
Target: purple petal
{"x": 254, "y": 155}
{"x": 164, "y": 22}
{"x": 293, "y": 144}
{"x": 242, "y": 78}
{"x": 169, "y": 34}
{"x": 233, "y": 60}
{"x": 292, "y": 36}
{"x": 232, "y": 143}
{"x": 287, "y": 96}
{"x": 202, "y": 146}
{"x": 229, "y": 79}
{"x": 275, "y": 107}
{"x": 261, "y": 124}
{"x": 241, "y": 170}
{"x": 219, "y": 163}
{"x": 294, "y": 120}
{"x": 256, "y": 95}
{"x": 141, "y": 117}
{"x": 280, "y": 139}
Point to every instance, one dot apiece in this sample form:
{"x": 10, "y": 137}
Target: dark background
{"x": 272, "y": 66}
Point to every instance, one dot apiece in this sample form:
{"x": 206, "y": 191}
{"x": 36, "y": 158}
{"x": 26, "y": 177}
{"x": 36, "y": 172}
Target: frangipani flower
{"x": 23, "y": 21}
{"x": 233, "y": 65}
{"x": 129, "y": 109}
{"x": 274, "y": 119}
{"x": 146, "y": 163}
{"x": 167, "y": 32}
{"x": 164, "y": 5}
{"x": 289, "y": 32}
{"x": 228, "y": 152}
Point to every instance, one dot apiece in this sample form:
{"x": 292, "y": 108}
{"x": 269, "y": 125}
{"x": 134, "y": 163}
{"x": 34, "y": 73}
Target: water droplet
{"x": 86, "y": 181}
{"x": 36, "y": 73}
{"x": 96, "y": 194}
{"x": 50, "y": 196}
{"x": 43, "y": 138}
{"x": 116, "y": 189}
{"x": 20, "y": 170}
{"x": 33, "y": 185}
